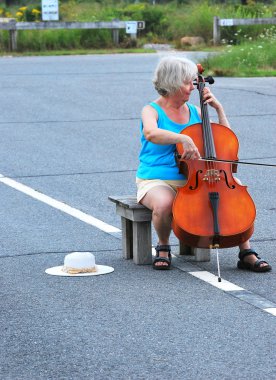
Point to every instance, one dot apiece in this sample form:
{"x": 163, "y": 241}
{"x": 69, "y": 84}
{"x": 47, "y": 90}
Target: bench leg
{"x": 184, "y": 249}
{"x": 142, "y": 253}
{"x": 200, "y": 254}
{"x": 127, "y": 238}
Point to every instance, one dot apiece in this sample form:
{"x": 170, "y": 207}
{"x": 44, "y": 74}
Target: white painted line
{"x": 59, "y": 205}
{"x": 271, "y": 310}
{"x": 213, "y": 280}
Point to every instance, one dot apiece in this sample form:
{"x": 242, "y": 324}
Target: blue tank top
{"x": 158, "y": 161}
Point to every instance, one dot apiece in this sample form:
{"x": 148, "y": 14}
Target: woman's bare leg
{"x": 160, "y": 200}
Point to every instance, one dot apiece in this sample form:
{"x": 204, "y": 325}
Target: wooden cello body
{"x": 212, "y": 210}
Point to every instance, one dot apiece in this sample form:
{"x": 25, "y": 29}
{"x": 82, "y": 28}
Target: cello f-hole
{"x": 226, "y": 180}
{"x": 196, "y": 184}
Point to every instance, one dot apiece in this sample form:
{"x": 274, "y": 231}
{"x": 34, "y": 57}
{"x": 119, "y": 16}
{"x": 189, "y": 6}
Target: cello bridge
{"x": 211, "y": 175}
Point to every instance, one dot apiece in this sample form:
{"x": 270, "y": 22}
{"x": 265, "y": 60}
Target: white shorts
{"x": 145, "y": 185}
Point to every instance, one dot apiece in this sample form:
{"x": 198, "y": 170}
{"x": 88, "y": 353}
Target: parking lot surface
{"x": 69, "y": 132}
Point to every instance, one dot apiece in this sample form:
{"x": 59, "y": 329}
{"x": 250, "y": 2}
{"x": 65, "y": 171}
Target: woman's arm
{"x": 160, "y": 136}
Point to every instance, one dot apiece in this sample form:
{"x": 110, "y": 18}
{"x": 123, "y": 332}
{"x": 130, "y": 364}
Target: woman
{"x": 158, "y": 175}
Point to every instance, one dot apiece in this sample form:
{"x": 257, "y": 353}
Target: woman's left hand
{"x": 210, "y": 99}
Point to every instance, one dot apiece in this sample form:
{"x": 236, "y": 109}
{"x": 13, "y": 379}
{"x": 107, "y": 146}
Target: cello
{"x": 212, "y": 210}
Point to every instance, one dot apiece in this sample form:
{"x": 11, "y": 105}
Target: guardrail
{"x": 13, "y": 26}
{"x": 217, "y": 23}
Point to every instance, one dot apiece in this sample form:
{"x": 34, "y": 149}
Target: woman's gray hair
{"x": 171, "y": 73}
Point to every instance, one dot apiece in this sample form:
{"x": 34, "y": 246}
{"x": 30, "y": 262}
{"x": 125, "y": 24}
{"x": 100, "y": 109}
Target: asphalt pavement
{"x": 69, "y": 129}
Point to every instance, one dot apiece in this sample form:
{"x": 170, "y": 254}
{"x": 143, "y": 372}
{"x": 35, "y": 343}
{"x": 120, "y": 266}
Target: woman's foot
{"x": 163, "y": 257}
{"x": 250, "y": 260}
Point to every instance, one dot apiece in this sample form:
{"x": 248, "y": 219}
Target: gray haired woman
{"x": 158, "y": 176}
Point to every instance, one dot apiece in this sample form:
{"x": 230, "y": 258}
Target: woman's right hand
{"x": 190, "y": 150}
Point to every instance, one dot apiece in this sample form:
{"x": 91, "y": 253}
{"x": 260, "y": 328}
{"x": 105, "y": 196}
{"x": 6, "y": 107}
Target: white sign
{"x": 226, "y": 22}
{"x": 131, "y": 27}
{"x": 49, "y": 10}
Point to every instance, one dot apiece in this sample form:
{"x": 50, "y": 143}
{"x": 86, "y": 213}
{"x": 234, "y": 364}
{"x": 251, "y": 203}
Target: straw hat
{"x": 79, "y": 264}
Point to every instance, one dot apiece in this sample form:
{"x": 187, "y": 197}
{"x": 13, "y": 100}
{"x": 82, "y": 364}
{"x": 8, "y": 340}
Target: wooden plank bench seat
{"x": 136, "y": 232}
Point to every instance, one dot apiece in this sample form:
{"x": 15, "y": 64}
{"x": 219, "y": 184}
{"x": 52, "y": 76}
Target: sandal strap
{"x": 166, "y": 260}
{"x": 258, "y": 263}
{"x": 247, "y": 252}
{"x": 163, "y": 248}
{"x": 162, "y": 260}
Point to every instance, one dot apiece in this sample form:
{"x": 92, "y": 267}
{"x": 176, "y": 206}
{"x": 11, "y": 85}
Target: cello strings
{"x": 204, "y": 129}
{"x": 210, "y": 148}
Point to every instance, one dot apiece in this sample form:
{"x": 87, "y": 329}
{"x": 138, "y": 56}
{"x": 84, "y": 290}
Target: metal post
{"x": 133, "y": 36}
{"x": 115, "y": 34}
{"x": 13, "y": 40}
{"x": 216, "y": 31}
{"x": 11, "y": 26}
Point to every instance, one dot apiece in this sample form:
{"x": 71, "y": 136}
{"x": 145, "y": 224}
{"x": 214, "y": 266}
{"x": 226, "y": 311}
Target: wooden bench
{"x": 136, "y": 232}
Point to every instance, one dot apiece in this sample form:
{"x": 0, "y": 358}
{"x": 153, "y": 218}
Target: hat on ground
{"x": 79, "y": 264}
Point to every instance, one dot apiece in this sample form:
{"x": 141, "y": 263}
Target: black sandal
{"x": 167, "y": 260}
{"x": 256, "y": 267}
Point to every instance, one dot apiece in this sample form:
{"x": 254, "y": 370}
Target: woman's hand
{"x": 210, "y": 99}
{"x": 190, "y": 150}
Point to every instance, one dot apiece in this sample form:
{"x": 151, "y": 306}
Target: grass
{"x": 250, "y": 59}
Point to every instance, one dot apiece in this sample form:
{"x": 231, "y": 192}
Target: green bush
{"x": 155, "y": 18}
{"x": 199, "y": 22}
{"x": 4, "y": 40}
